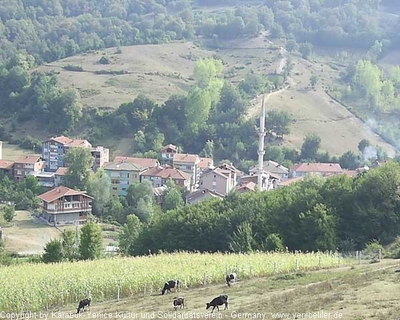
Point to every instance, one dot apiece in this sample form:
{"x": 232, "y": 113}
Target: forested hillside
{"x": 208, "y": 117}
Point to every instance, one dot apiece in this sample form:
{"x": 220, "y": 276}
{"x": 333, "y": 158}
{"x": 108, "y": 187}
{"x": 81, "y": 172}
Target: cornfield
{"x": 35, "y": 287}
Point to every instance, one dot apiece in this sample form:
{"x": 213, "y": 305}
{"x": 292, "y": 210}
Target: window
{"x": 115, "y": 188}
{"x": 19, "y": 172}
{"x": 214, "y": 183}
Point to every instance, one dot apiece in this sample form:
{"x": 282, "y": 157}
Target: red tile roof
{"x": 317, "y": 167}
{"x": 79, "y": 143}
{"x": 61, "y": 139}
{"x": 68, "y": 142}
{"x": 166, "y": 173}
{"x": 61, "y": 171}
{"x": 143, "y": 162}
{"x": 59, "y": 192}
{"x": 5, "y": 164}
{"x": 289, "y": 181}
{"x": 28, "y": 159}
{"x": 169, "y": 146}
{"x": 245, "y": 187}
{"x": 186, "y": 158}
{"x": 205, "y": 163}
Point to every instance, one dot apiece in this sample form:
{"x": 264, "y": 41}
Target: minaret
{"x": 261, "y": 176}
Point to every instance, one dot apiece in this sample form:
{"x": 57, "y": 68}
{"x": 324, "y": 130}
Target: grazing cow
{"x": 83, "y": 303}
{"x": 170, "y": 285}
{"x": 218, "y": 301}
{"x": 230, "y": 278}
{"x": 179, "y": 301}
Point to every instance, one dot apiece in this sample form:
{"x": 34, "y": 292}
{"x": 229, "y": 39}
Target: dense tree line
{"x": 50, "y": 30}
{"x": 373, "y": 94}
{"x": 314, "y": 214}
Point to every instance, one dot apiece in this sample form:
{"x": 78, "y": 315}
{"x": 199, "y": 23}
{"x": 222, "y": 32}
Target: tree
{"x": 242, "y": 238}
{"x": 206, "y": 70}
{"x": 309, "y": 149}
{"x": 129, "y": 234}
{"x": 91, "y": 243}
{"x": 349, "y": 160}
{"x": 173, "y": 199}
{"x": 8, "y": 213}
{"x": 306, "y": 50}
{"x": 363, "y": 144}
{"x": 70, "y": 243}
{"x": 98, "y": 187}
{"x": 318, "y": 229}
{"x": 291, "y": 45}
{"x": 278, "y": 122}
{"x": 79, "y": 161}
{"x": 53, "y": 251}
{"x": 273, "y": 242}
{"x": 313, "y": 80}
{"x": 140, "y": 197}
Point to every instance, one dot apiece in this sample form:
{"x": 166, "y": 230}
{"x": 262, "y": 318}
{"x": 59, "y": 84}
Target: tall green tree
{"x": 79, "y": 161}
{"x": 99, "y": 186}
{"x": 310, "y": 147}
{"x": 128, "y": 235}
{"x": 53, "y": 251}
{"x": 91, "y": 241}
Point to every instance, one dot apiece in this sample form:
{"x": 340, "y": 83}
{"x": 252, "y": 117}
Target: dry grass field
{"x": 154, "y": 70}
{"x": 315, "y": 112}
{"x": 12, "y": 152}
{"x": 161, "y": 70}
{"x": 27, "y": 235}
{"x": 368, "y": 291}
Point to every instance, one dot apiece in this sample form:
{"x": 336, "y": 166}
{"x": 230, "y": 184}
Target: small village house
{"x": 122, "y": 174}
{"x": 55, "y": 148}
{"x": 28, "y": 165}
{"x": 100, "y": 156}
{"x": 159, "y": 176}
{"x": 200, "y": 195}
{"x": 65, "y": 206}
{"x": 323, "y": 169}
{"x": 7, "y": 167}
{"x": 145, "y": 163}
{"x": 219, "y": 180}
{"x": 275, "y": 168}
{"x": 168, "y": 152}
{"x": 189, "y": 163}
{"x": 59, "y": 175}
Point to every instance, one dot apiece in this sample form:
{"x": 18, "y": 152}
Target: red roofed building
{"x": 142, "y": 162}
{"x": 159, "y": 176}
{"x": 7, "y": 167}
{"x": 246, "y": 187}
{"x": 28, "y": 165}
{"x": 65, "y": 206}
{"x": 168, "y": 151}
{"x": 324, "y": 169}
{"x": 188, "y": 163}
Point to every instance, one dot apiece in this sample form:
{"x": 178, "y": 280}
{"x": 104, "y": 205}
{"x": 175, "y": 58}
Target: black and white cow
{"x": 83, "y": 303}
{"x": 179, "y": 301}
{"x": 232, "y": 277}
{"x": 170, "y": 285}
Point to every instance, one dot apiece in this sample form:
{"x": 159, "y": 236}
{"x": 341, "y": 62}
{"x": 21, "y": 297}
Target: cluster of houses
{"x": 198, "y": 176}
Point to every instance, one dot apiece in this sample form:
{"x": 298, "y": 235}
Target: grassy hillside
{"x": 161, "y": 70}
{"x": 361, "y": 292}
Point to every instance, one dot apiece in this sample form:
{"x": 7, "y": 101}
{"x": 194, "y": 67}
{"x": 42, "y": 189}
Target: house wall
{"x": 53, "y": 153}
{"x": 121, "y": 180}
{"x": 21, "y": 170}
{"x": 193, "y": 170}
{"x": 215, "y": 182}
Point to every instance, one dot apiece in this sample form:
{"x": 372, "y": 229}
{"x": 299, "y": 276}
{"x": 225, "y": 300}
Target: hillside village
{"x": 199, "y": 177}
